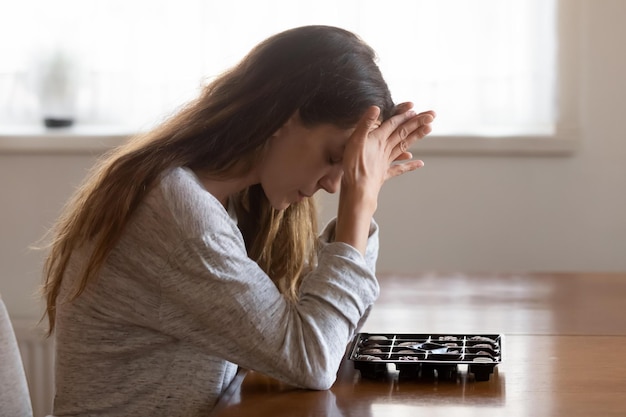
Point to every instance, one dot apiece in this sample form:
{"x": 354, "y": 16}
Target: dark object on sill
{"x": 426, "y": 356}
{"x": 53, "y": 122}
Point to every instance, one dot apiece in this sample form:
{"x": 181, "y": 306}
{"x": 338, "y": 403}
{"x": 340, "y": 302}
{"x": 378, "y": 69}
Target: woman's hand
{"x": 374, "y": 153}
{"x": 423, "y": 130}
{"x": 377, "y": 152}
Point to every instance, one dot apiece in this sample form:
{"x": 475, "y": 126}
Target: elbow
{"x": 320, "y": 382}
{"x": 319, "y": 376}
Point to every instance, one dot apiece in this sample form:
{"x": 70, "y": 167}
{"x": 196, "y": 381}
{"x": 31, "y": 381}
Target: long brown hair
{"x": 327, "y": 74}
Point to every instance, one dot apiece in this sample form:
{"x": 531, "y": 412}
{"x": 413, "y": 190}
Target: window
{"x": 488, "y": 67}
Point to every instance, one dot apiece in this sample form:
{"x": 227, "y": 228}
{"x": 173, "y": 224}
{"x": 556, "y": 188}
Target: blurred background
{"x": 525, "y": 170}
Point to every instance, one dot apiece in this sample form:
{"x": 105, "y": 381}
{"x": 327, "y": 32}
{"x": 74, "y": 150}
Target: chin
{"x": 278, "y": 202}
{"x": 280, "y": 205}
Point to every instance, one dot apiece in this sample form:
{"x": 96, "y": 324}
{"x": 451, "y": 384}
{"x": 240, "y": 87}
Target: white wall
{"x": 459, "y": 213}
{"x": 472, "y": 213}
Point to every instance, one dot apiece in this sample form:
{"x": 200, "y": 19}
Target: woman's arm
{"x": 368, "y": 162}
{"x": 215, "y": 297}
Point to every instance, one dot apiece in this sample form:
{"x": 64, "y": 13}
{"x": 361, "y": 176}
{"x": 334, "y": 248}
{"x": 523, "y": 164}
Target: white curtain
{"x": 486, "y": 66}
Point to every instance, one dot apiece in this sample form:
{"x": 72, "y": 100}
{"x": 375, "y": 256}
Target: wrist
{"x": 354, "y": 217}
{"x": 357, "y": 201}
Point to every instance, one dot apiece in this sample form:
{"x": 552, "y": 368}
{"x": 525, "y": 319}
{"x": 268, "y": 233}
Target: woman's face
{"x": 302, "y": 160}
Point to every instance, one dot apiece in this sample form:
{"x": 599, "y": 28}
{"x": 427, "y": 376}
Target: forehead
{"x": 332, "y": 132}
{"x": 330, "y": 138}
{"x": 304, "y": 137}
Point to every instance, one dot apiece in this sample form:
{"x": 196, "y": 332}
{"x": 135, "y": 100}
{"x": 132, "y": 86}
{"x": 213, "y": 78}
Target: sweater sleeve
{"x": 371, "y": 252}
{"x": 217, "y": 298}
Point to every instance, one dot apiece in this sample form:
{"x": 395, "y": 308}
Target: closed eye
{"x": 334, "y": 161}
{"x": 335, "y": 158}
{"x": 335, "y": 155}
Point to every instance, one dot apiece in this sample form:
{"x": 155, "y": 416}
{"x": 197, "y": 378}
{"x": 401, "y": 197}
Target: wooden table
{"x": 564, "y": 351}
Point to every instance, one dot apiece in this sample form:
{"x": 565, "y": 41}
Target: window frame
{"x": 86, "y": 139}
{"x": 566, "y": 140}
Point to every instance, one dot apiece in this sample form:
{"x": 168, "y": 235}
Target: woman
{"x": 193, "y": 248}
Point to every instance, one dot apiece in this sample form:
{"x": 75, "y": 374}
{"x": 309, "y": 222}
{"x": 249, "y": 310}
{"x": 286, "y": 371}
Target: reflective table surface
{"x": 563, "y": 351}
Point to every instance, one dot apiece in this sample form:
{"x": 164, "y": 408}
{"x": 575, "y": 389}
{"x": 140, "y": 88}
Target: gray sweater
{"x": 179, "y": 305}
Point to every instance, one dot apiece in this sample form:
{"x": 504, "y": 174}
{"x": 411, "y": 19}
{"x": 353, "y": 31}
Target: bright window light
{"x": 486, "y": 66}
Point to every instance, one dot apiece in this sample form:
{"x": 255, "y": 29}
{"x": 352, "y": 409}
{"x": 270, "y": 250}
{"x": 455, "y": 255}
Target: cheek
{"x": 292, "y": 167}
{"x": 279, "y": 178}
{"x": 295, "y": 167}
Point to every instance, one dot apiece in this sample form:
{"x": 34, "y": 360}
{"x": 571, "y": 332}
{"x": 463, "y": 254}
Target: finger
{"x": 368, "y": 122}
{"x": 403, "y": 107}
{"x": 404, "y": 167}
{"x": 405, "y": 140}
{"x": 389, "y": 126}
{"x": 406, "y": 106}
{"x": 401, "y": 151}
{"x": 414, "y": 121}
{"x": 424, "y": 130}
{"x": 412, "y": 130}
{"x": 431, "y": 112}
{"x": 404, "y": 156}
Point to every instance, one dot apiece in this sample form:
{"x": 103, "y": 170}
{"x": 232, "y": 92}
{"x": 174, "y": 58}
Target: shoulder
{"x": 205, "y": 229}
{"x": 180, "y": 197}
{"x": 182, "y": 182}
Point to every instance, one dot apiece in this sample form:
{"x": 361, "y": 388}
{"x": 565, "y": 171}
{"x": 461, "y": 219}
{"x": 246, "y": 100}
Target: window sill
{"x": 98, "y": 139}
{"x": 73, "y": 140}
{"x": 560, "y": 145}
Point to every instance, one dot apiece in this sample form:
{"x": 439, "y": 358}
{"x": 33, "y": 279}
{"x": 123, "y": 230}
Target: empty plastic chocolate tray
{"x": 417, "y": 355}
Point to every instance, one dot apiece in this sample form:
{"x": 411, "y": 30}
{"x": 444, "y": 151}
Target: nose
{"x": 332, "y": 180}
